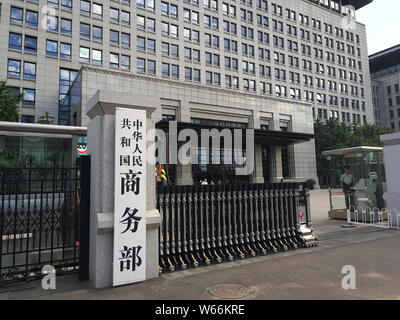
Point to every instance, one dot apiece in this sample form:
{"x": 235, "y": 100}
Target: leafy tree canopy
{"x": 333, "y": 134}
{"x": 9, "y": 103}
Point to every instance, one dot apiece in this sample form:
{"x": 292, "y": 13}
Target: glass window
{"x": 65, "y": 51}
{"x": 141, "y": 65}
{"x": 174, "y": 50}
{"x": 51, "y": 48}
{"x": 175, "y": 71}
{"x": 151, "y": 45}
{"x": 30, "y": 44}
{"x": 125, "y": 62}
{"x": 97, "y": 10}
{"x": 29, "y": 70}
{"x": 141, "y": 22}
{"x": 66, "y": 4}
{"x": 114, "y": 15}
{"x": 151, "y": 67}
{"x": 114, "y": 37}
{"x": 29, "y": 97}
{"x": 15, "y": 41}
{"x": 17, "y": 15}
{"x": 141, "y": 43}
{"x": 31, "y": 18}
{"x": 85, "y": 7}
{"x": 85, "y": 30}
{"x": 66, "y": 26}
{"x": 97, "y": 57}
{"x": 27, "y": 119}
{"x": 125, "y": 39}
{"x": 165, "y": 70}
{"x": 14, "y": 68}
{"x": 97, "y": 33}
{"x": 125, "y": 17}
{"x": 52, "y": 23}
{"x": 84, "y": 54}
{"x": 114, "y": 60}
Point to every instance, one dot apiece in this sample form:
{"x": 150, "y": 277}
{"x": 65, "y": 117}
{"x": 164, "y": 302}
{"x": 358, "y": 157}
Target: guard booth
{"x": 367, "y": 166}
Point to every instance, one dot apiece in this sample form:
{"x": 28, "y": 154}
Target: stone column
{"x": 276, "y": 164}
{"x": 258, "y": 174}
{"x": 101, "y": 145}
{"x": 184, "y": 174}
{"x": 391, "y": 155}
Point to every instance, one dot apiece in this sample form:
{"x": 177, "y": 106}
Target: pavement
{"x": 313, "y": 273}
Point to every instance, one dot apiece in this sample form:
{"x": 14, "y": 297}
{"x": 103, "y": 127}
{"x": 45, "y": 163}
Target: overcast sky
{"x": 382, "y": 19}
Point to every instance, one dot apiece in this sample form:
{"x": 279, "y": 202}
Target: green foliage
{"x": 46, "y": 119}
{"x": 9, "y": 104}
{"x": 333, "y": 134}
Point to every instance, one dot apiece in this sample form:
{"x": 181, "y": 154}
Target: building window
{"x": 52, "y": 23}
{"x": 114, "y": 60}
{"x": 31, "y": 19}
{"x": 15, "y": 41}
{"x": 125, "y": 62}
{"x": 114, "y": 15}
{"x": 114, "y": 37}
{"x": 65, "y": 51}
{"x": 84, "y": 55}
{"x": 52, "y": 48}
{"x": 97, "y": 10}
{"x": 14, "y": 68}
{"x": 27, "y": 119}
{"x": 66, "y": 26}
{"x": 97, "y": 57}
{"x": 97, "y": 33}
{"x": 30, "y": 44}
{"x": 17, "y": 15}
{"x": 29, "y": 97}
{"x": 85, "y": 7}
{"x": 29, "y": 70}
{"x": 85, "y": 30}
{"x": 141, "y": 65}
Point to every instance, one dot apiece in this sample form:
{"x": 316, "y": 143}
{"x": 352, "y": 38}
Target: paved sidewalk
{"x": 313, "y": 273}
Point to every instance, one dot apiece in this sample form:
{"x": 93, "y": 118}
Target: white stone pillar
{"x": 391, "y": 155}
{"x": 101, "y": 145}
{"x": 258, "y": 174}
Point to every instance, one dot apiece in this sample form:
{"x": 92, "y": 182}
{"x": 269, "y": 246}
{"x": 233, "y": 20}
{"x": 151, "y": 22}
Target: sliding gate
{"x": 211, "y": 224}
{"x": 41, "y": 215}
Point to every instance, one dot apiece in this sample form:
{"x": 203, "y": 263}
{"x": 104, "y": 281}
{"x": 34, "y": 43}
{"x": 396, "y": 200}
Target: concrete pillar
{"x": 391, "y": 155}
{"x": 184, "y": 174}
{"x": 258, "y": 175}
{"x": 276, "y": 164}
{"x": 101, "y": 135}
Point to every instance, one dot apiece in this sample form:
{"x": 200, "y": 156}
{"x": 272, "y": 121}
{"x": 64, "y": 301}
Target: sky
{"x": 382, "y": 19}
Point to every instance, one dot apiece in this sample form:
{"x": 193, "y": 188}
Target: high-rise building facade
{"x": 278, "y": 64}
{"x": 385, "y": 81}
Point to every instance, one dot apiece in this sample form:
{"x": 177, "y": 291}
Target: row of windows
{"x": 333, "y": 114}
{"x": 117, "y": 38}
{"x": 29, "y": 96}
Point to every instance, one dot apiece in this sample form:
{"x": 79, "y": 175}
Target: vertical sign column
{"x": 129, "y": 263}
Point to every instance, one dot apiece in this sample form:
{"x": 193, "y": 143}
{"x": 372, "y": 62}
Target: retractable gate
{"x": 40, "y": 221}
{"x": 216, "y": 223}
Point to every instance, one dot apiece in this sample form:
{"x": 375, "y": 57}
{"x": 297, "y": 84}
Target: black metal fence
{"x": 39, "y": 221}
{"x": 216, "y": 223}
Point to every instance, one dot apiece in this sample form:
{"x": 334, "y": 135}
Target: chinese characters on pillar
{"x": 129, "y": 197}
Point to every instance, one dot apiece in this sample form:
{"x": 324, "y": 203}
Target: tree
{"x": 9, "y": 103}
{"x": 46, "y": 119}
{"x": 333, "y": 134}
